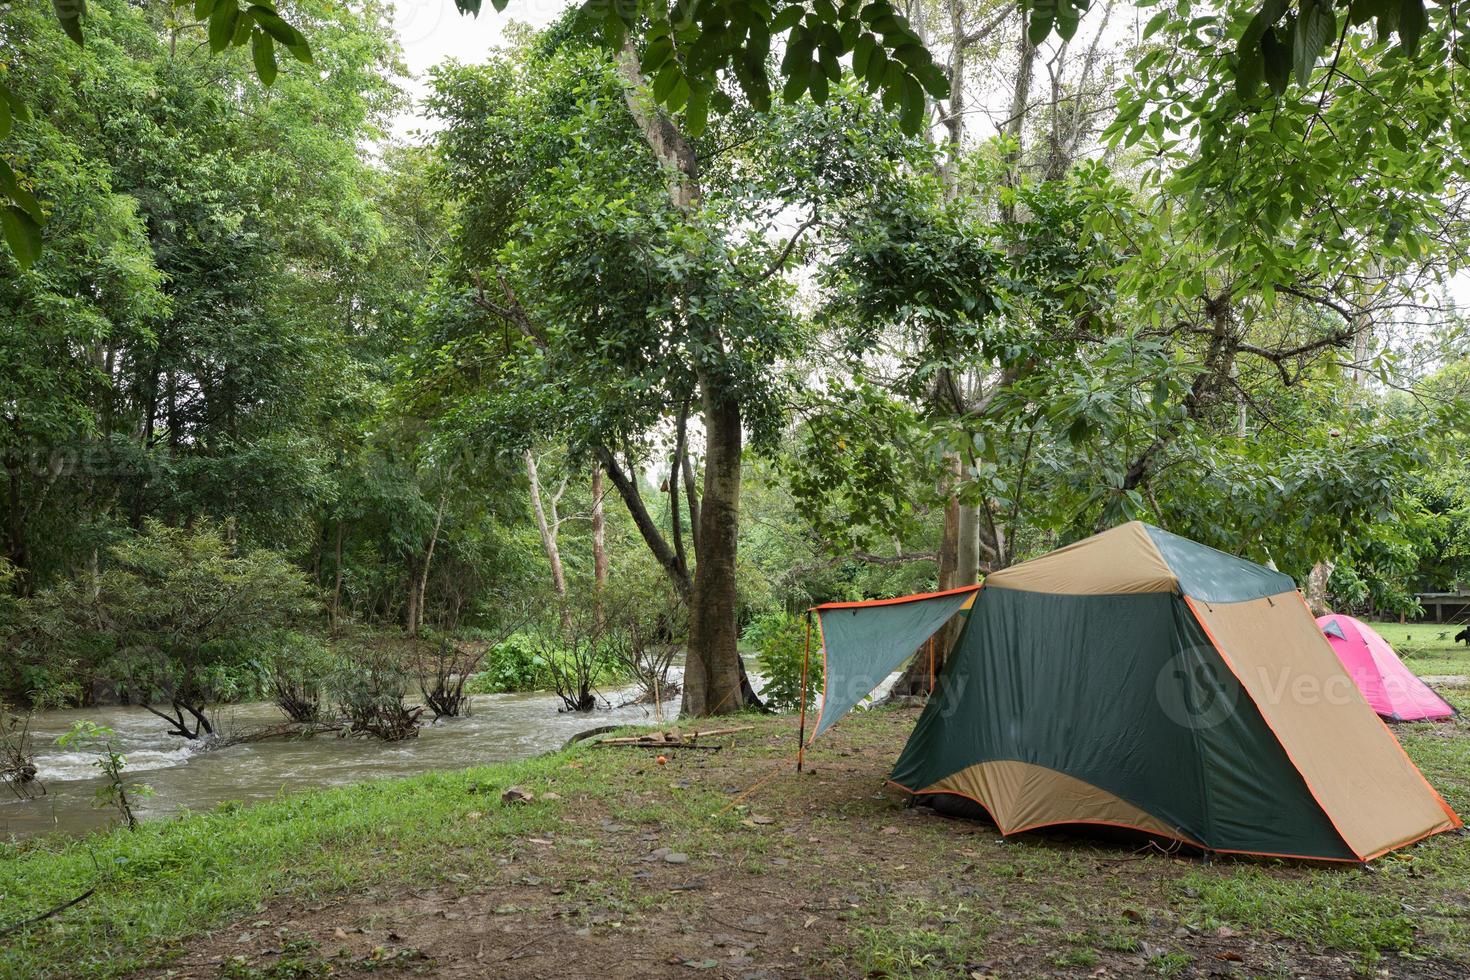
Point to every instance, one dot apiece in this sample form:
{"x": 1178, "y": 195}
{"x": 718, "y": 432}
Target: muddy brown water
{"x": 500, "y": 727}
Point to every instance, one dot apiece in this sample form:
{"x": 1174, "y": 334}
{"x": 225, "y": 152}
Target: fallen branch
{"x": 42, "y": 917}
{"x": 291, "y": 729}
{"x": 620, "y": 744}
{"x": 721, "y": 731}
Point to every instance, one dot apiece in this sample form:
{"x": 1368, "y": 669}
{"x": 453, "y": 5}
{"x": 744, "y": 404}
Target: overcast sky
{"x": 434, "y": 30}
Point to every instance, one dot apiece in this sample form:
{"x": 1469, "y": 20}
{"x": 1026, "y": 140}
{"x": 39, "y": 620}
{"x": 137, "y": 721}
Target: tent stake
{"x": 806, "y": 654}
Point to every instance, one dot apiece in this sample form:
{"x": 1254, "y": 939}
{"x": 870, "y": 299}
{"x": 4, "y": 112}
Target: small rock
{"x": 890, "y": 830}
{"x": 762, "y": 820}
{"x": 551, "y": 796}
{"x": 676, "y": 857}
{"x": 517, "y": 795}
{"x": 339, "y": 933}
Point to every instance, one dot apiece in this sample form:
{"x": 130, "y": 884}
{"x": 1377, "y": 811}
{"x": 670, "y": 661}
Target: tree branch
{"x": 628, "y": 489}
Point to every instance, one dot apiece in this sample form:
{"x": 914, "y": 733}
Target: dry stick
{"x": 42, "y": 917}
{"x": 662, "y": 738}
{"x": 670, "y": 746}
{"x": 721, "y": 731}
{"x": 734, "y": 802}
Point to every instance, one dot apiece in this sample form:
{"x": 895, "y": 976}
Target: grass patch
{"x": 1427, "y": 648}
{"x": 920, "y": 939}
{"x": 1322, "y": 910}
{"x": 171, "y": 877}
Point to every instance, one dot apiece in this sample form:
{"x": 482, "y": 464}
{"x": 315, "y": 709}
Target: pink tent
{"x": 1390, "y": 688}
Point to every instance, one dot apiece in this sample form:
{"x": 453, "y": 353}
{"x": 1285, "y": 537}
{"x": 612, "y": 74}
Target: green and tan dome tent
{"x": 1138, "y": 679}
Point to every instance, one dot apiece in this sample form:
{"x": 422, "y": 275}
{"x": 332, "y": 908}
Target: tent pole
{"x": 806, "y": 654}
{"x": 931, "y": 666}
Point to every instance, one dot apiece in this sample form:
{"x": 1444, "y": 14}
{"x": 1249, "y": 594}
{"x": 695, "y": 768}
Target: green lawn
{"x": 1427, "y": 648}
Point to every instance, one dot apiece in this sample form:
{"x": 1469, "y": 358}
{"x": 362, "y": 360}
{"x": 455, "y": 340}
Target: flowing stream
{"x": 500, "y": 727}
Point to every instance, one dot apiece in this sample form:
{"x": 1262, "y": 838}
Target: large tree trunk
{"x": 714, "y": 677}
{"x": 1316, "y": 588}
{"x": 712, "y": 672}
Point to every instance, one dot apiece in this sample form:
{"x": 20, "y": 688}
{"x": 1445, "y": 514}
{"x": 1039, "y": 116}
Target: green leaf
{"x": 242, "y": 31}
{"x": 862, "y": 51}
{"x": 1249, "y": 73}
{"x": 665, "y": 80}
{"x": 69, "y": 14}
{"x": 893, "y": 77}
{"x": 818, "y": 83}
{"x": 1040, "y": 26}
{"x": 1067, "y": 18}
{"x": 1411, "y": 24}
{"x": 787, "y": 19}
{"x": 1276, "y": 60}
{"x": 1261, "y": 23}
{"x": 289, "y": 37}
{"x": 222, "y": 24}
{"x": 877, "y": 68}
{"x": 18, "y": 195}
{"x": 911, "y": 117}
{"x": 934, "y": 80}
{"x": 1316, "y": 26}
{"x": 795, "y": 85}
{"x": 696, "y": 113}
{"x": 22, "y": 234}
{"x": 263, "y": 51}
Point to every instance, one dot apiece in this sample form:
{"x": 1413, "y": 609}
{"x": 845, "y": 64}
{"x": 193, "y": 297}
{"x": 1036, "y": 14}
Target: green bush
{"x": 780, "y": 640}
{"x": 529, "y": 661}
{"x": 514, "y": 664}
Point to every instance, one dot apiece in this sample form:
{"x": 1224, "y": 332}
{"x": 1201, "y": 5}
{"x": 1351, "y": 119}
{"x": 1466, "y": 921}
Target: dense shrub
{"x": 514, "y": 664}
{"x": 369, "y": 686}
{"x": 172, "y": 620}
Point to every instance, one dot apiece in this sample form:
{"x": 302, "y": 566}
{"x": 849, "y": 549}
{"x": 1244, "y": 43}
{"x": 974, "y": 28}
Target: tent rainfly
{"x": 1138, "y": 679}
{"x": 1390, "y": 688}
